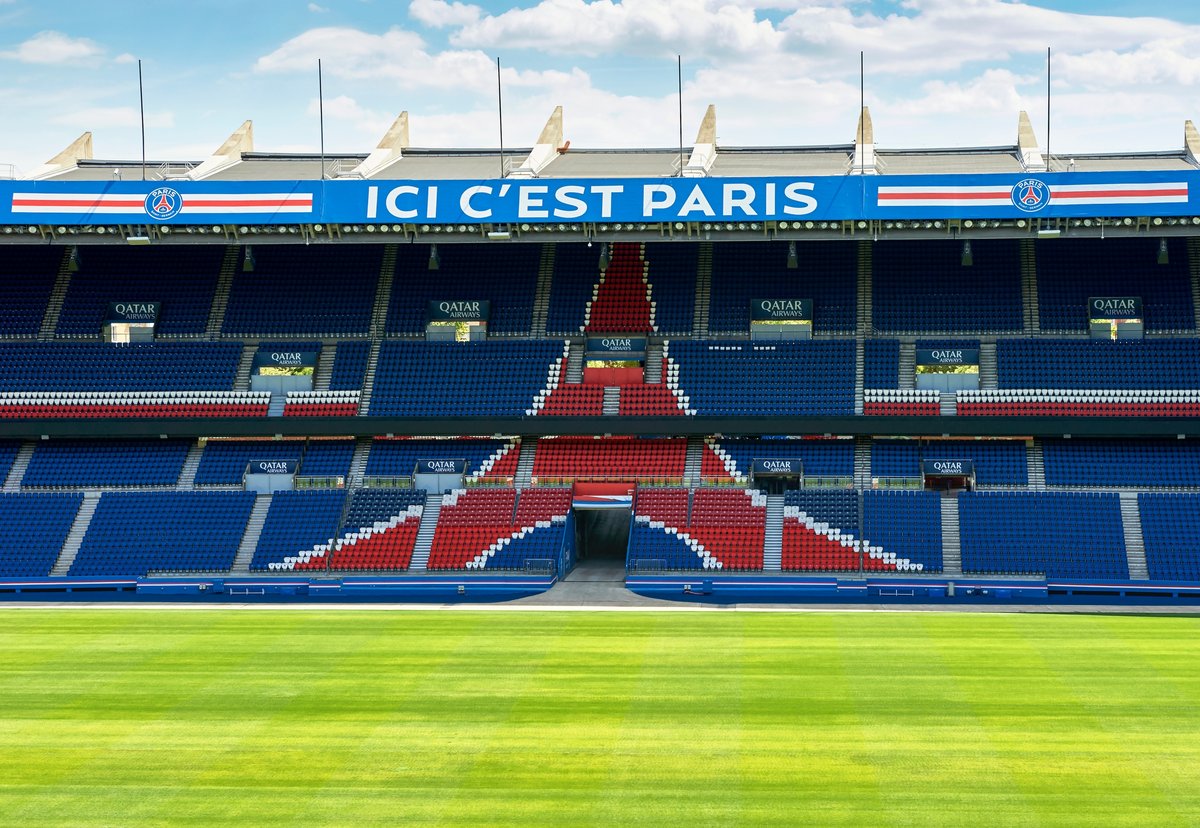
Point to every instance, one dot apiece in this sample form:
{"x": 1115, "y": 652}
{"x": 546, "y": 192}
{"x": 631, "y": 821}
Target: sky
{"x": 938, "y": 73}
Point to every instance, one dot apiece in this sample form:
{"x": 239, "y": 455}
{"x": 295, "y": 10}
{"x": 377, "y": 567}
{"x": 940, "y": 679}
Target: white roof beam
{"x": 545, "y": 150}
{"x": 864, "y": 145}
{"x": 228, "y": 154}
{"x": 390, "y": 149}
{"x": 1027, "y": 145}
{"x": 1191, "y": 142}
{"x": 77, "y": 150}
{"x": 704, "y": 151}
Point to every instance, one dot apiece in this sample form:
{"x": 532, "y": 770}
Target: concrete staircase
{"x": 988, "y": 372}
{"x": 1135, "y": 545}
{"x": 693, "y": 464}
{"x": 1036, "y": 465}
{"x": 383, "y": 292}
{"x": 324, "y": 372}
{"x": 865, "y": 263}
{"x": 703, "y": 290}
{"x": 187, "y": 477}
{"x": 575, "y": 362}
{"x": 908, "y": 365}
{"x": 62, "y": 283}
{"x": 951, "y": 540}
{"x": 1029, "y": 288}
{"x": 358, "y": 464}
{"x": 364, "y": 400}
{"x": 424, "y": 543}
{"x": 773, "y": 541}
{"x": 528, "y": 449}
{"x": 949, "y": 404}
{"x": 1193, "y": 246}
{"x": 254, "y": 527}
{"x": 541, "y": 297}
{"x": 860, "y": 372}
{"x": 862, "y": 462}
{"x": 654, "y": 358}
{"x": 275, "y": 406}
{"x": 12, "y": 483}
{"x": 612, "y": 401}
{"x": 242, "y": 381}
{"x": 220, "y": 302}
{"x": 83, "y": 519}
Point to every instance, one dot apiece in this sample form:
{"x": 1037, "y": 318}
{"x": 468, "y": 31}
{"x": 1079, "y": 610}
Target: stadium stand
{"x": 1098, "y": 364}
{"x": 881, "y": 363}
{"x": 184, "y": 284}
{"x": 321, "y": 403}
{"x": 485, "y": 458}
{"x": 906, "y": 526}
{"x": 781, "y": 378}
{"x": 1171, "y": 532}
{"x": 609, "y": 458}
{"x": 81, "y": 463}
{"x": 576, "y": 270}
{"x": 922, "y": 286}
{"x": 907, "y": 402}
{"x": 1070, "y": 271}
{"x": 350, "y": 365}
{"x": 1057, "y": 534}
{"x": 224, "y": 462}
{"x": 622, "y": 298}
{"x": 721, "y": 529}
{"x": 745, "y": 271}
{"x": 320, "y": 291}
{"x": 135, "y": 533}
{"x": 57, "y": 367}
{"x": 672, "y": 272}
{"x": 997, "y": 462}
{"x": 486, "y": 529}
{"x": 327, "y": 458}
{"x": 505, "y": 275}
{"x": 34, "y": 527}
{"x": 484, "y": 378}
{"x": 27, "y": 276}
{"x": 8, "y": 454}
{"x": 379, "y": 534}
{"x": 1131, "y": 463}
{"x": 732, "y": 459}
{"x": 297, "y": 521}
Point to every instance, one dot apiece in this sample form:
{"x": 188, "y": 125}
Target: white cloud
{"x": 125, "y": 57}
{"x": 51, "y": 47}
{"x": 439, "y": 13}
{"x": 101, "y": 117}
{"x": 317, "y": 9}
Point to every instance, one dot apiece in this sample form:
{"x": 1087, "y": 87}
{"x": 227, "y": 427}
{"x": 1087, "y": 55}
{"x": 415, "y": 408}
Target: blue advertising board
{"x": 947, "y": 468}
{"x": 503, "y": 201}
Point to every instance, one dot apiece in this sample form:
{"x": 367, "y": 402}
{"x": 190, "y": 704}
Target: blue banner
{"x": 781, "y": 310}
{"x": 567, "y": 201}
{"x": 267, "y": 358}
{"x": 441, "y": 466}
{"x": 272, "y": 466}
{"x": 777, "y": 467}
{"x": 1115, "y": 307}
{"x": 616, "y": 346}
{"x": 471, "y": 310}
{"x": 948, "y": 356}
{"x": 138, "y": 313}
{"x": 948, "y": 468}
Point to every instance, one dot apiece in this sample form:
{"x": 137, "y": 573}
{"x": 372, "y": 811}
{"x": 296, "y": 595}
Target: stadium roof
{"x": 553, "y": 157}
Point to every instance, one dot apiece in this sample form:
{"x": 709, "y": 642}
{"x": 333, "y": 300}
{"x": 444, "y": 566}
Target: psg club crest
{"x": 1030, "y": 195}
{"x": 164, "y": 203}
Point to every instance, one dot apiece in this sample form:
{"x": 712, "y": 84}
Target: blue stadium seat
{"x": 350, "y": 365}
{"x": 298, "y": 521}
{"x": 923, "y": 286}
{"x": 997, "y": 462}
{"x": 80, "y": 366}
{"x": 81, "y": 463}
{"x": 837, "y": 507}
{"x": 1100, "y": 364}
{"x": 821, "y": 458}
{"x": 370, "y": 505}
{"x": 907, "y": 524}
{"x": 1149, "y": 463}
{"x": 1171, "y": 531}
{"x": 183, "y": 282}
{"x": 881, "y": 363}
{"x": 223, "y": 462}
{"x": 826, "y": 272}
{"x": 398, "y": 458}
{"x": 27, "y": 275}
{"x": 34, "y": 528}
{"x": 1058, "y": 534}
{"x": 134, "y": 533}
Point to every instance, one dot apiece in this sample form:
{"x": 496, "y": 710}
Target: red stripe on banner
{"x": 1057, "y": 194}
{"x": 200, "y": 201}
{"x": 943, "y": 196}
{"x": 73, "y": 202}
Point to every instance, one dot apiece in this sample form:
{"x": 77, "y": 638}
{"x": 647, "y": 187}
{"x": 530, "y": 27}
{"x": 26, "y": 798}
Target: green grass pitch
{"x": 138, "y": 717}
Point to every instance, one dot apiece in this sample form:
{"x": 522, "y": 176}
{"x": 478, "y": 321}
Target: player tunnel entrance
{"x": 602, "y": 515}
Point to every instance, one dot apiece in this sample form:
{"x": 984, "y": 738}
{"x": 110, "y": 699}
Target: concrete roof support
{"x": 704, "y": 151}
{"x": 864, "y": 145}
{"x": 228, "y": 154}
{"x": 79, "y": 149}
{"x": 390, "y": 148}
{"x": 1027, "y": 145}
{"x": 1191, "y": 142}
{"x": 545, "y": 150}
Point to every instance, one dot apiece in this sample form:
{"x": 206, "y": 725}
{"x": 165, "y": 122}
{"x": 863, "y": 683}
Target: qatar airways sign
{"x": 948, "y": 468}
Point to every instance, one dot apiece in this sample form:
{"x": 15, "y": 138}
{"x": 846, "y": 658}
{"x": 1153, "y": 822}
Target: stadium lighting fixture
{"x": 968, "y": 259}
{"x": 137, "y": 241}
{"x": 1049, "y": 233}
{"x": 248, "y": 260}
{"x": 504, "y": 235}
{"x": 792, "y": 261}
{"x": 1163, "y": 256}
